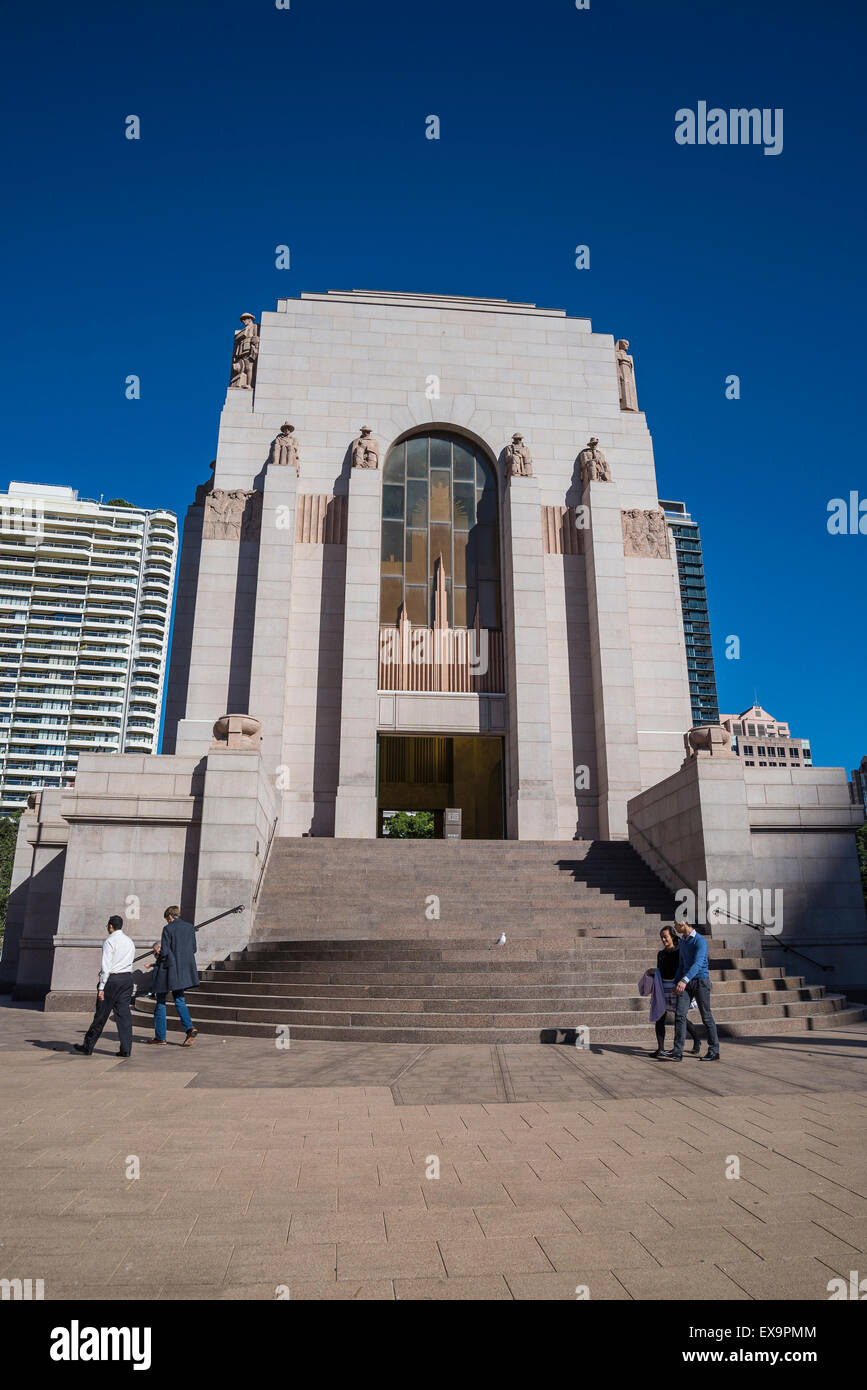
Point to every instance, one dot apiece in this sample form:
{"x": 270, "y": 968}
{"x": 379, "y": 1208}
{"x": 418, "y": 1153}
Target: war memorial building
{"x": 430, "y": 571}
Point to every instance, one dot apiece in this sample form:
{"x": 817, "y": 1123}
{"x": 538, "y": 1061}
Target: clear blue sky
{"x": 306, "y": 126}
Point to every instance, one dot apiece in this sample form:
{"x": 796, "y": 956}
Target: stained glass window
{"x": 439, "y": 500}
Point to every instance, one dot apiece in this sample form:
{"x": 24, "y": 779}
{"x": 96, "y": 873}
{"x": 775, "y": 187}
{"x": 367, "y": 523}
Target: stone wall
{"x": 136, "y": 835}
{"x": 789, "y": 832}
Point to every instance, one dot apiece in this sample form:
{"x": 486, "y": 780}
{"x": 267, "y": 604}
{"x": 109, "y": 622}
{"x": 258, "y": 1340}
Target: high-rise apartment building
{"x": 85, "y": 606}
{"x": 763, "y": 741}
{"x": 696, "y": 621}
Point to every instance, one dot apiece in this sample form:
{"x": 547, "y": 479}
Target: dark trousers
{"x": 699, "y": 990}
{"x": 118, "y": 997}
{"x": 691, "y": 1028}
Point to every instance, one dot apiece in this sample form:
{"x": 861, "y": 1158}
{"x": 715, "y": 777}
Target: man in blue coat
{"x": 175, "y": 970}
{"x": 693, "y": 983}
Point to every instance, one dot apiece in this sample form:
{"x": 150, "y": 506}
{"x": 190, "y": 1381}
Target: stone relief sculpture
{"x": 284, "y": 449}
{"x": 519, "y": 460}
{"x": 244, "y": 354}
{"x": 645, "y": 534}
{"x": 232, "y": 515}
{"x": 626, "y": 376}
{"x": 365, "y": 450}
{"x": 593, "y": 464}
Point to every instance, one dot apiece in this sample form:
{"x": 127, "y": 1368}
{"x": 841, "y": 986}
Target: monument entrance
{"x": 423, "y": 773}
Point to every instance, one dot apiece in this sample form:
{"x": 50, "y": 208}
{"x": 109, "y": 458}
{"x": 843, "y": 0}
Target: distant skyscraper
{"x": 696, "y": 622}
{"x": 85, "y": 606}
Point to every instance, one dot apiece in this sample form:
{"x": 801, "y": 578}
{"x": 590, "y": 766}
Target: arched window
{"x": 439, "y": 500}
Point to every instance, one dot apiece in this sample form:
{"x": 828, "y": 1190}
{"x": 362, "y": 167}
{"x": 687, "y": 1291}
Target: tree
{"x": 119, "y": 502}
{"x": 409, "y": 825}
{"x": 8, "y": 836}
{"x": 861, "y": 842}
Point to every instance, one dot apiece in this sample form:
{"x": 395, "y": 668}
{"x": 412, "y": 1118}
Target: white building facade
{"x": 85, "y": 607}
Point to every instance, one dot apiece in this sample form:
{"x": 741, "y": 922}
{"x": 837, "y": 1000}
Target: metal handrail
{"x": 265, "y": 859}
{"x": 731, "y": 916}
{"x": 227, "y": 913}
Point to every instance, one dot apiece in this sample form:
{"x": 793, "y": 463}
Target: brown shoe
{"x": 157, "y": 1042}
{"x": 191, "y": 1033}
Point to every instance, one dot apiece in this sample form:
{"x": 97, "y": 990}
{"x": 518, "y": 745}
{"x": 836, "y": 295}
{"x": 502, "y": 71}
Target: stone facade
{"x": 595, "y": 663}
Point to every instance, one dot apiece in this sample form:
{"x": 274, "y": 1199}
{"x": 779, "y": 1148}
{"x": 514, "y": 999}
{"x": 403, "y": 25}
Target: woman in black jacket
{"x": 666, "y": 964}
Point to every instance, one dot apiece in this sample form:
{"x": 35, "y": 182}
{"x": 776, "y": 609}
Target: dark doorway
{"x": 424, "y": 773}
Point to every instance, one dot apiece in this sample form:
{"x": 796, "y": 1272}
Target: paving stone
{"x": 601, "y": 1286}
{"x": 472, "y": 1255}
{"x": 693, "y": 1282}
{"x": 414, "y": 1259}
{"x": 282, "y": 1263}
{"x": 795, "y": 1239}
{"x": 797, "y": 1278}
{"x": 599, "y": 1250}
{"x": 343, "y": 1228}
{"x": 476, "y": 1287}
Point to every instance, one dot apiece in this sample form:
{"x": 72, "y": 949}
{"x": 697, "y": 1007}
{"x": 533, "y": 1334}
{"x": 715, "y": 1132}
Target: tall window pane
{"x": 439, "y": 499}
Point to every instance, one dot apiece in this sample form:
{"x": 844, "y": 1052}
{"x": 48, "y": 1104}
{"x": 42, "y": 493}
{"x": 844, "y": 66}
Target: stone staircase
{"x": 347, "y": 945}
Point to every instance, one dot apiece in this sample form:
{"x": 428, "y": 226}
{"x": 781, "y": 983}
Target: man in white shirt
{"x": 115, "y": 990}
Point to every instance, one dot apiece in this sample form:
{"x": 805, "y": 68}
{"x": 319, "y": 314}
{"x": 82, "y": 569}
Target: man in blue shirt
{"x": 693, "y": 983}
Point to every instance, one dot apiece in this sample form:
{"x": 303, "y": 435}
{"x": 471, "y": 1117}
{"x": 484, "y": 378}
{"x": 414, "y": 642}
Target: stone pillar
{"x": 617, "y": 761}
{"x": 355, "y": 811}
{"x": 531, "y": 793}
{"x": 47, "y": 835}
{"x": 271, "y": 624}
{"x": 238, "y": 810}
{"x": 311, "y": 719}
{"x": 221, "y": 647}
{"x": 17, "y": 904}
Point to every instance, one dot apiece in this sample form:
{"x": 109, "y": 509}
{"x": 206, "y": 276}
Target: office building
{"x": 696, "y": 621}
{"x": 85, "y": 605}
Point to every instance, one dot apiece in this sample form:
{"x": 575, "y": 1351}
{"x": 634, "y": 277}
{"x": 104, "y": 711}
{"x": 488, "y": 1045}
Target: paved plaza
{"x": 305, "y": 1170}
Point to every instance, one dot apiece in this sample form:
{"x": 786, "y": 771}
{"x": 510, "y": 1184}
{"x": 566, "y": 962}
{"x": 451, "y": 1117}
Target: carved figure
{"x": 645, "y": 533}
{"x": 232, "y": 515}
{"x": 284, "y": 448}
{"x": 519, "y": 460}
{"x": 365, "y": 450}
{"x": 593, "y": 464}
{"x": 626, "y": 376}
{"x": 244, "y": 354}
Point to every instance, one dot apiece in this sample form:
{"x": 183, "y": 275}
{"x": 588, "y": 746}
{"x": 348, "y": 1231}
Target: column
{"x": 617, "y": 765}
{"x": 355, "y": 812}
{"x": 271, "y": 622}
{"x": 532, "y": 804}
